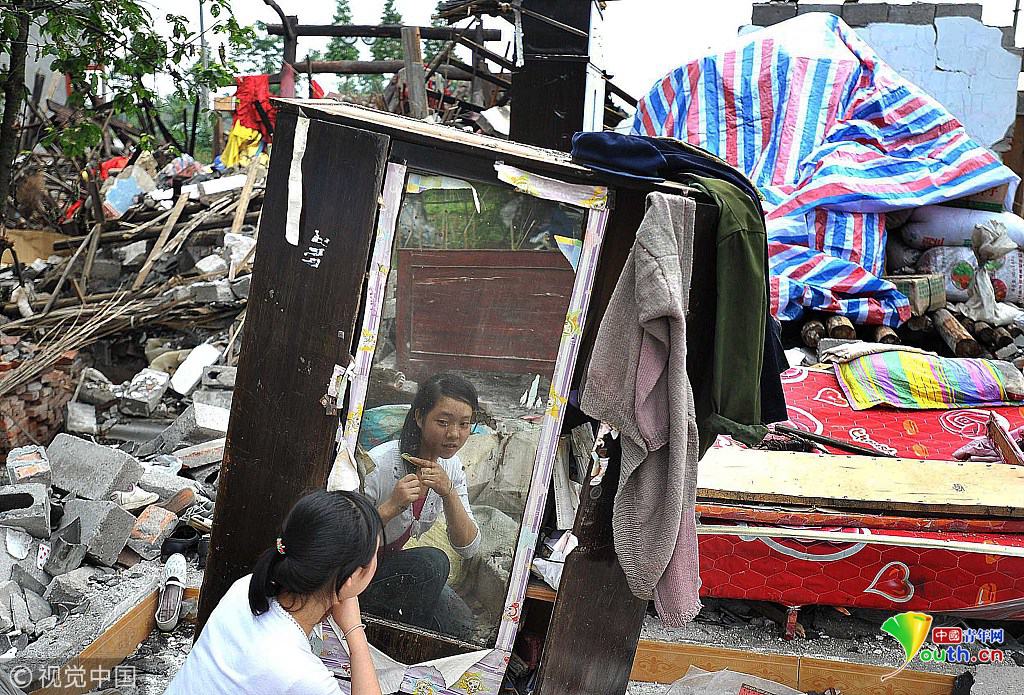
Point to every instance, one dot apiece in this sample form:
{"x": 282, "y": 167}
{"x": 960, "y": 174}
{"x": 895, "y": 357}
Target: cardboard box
{"x": 925, "y": 292}
{"x": 992, "y": 196}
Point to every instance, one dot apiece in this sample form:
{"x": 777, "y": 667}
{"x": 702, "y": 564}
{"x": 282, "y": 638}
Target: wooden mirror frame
{"x": 415, "y": 645}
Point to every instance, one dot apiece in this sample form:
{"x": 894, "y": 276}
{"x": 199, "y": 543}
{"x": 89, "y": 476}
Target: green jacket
{"x": 733, "y": 403}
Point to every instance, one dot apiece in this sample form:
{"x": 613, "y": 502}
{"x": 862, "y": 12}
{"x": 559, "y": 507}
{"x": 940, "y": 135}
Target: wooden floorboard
{"x": 106, "y": 651}
{"x": 666, "y": 662}
{"x": 949, "y": 487}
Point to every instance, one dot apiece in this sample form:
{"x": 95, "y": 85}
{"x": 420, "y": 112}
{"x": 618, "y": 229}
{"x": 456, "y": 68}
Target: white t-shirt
{"x": 381, "y": 482}
{"x": 239, "y": 653}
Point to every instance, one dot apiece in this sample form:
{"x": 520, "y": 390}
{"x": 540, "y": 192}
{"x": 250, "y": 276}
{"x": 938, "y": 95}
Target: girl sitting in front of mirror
{"x": 415, "y": 479}
{"x": 257, "y": 640}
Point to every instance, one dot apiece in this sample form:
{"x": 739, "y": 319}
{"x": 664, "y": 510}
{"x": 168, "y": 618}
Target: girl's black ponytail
{"x": 262, "y": 586}
{"x": 326, "y": 537}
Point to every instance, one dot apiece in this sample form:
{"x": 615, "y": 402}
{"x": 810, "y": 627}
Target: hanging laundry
{"x": 746, "y": 389}
{"x": 637, "y": 382}
{"x": 243, "y": 144}
{"x": 254, "y": 109}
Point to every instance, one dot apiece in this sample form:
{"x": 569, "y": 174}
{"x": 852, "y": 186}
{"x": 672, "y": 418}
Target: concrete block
{"x": 65, "y": 555}
{"x": 96, "y": 389}
{"x": 144, "y": 392}
{"x": 133, "y": 254}
{"x": 240, "y": 287}
{"x": 165, "y": 485}
{"x": 19, "y": 612}
{"x": 201, "y": 454}
{"x": 26, "y": 507}
{"x": 81, "y": 418}
{"x": 220, "y": 377}
{"x": 1007, "y": 352}
{"x": 71, "y": 589}
{"x": 153, "y": 526}
{"x": 89, "y": 470}
{"x": 860, "y": 15}
{"x": 958, "y": 10}
{"x": 106, "y": 269}
{"x": 215, "y": 397}
{"x": 835, "y": 9}
{"x": 217, "y": 292}
{"x": 26, "y": 581}
{"x": 28, "y": 464}
{"x": 198, "y": 423}
{"x": 105, "y": 528}
{"x": 38, "y": 608}
{"x": 212, "y": 264}
{"x": 29, "y": 567}
{"x": 191, "y": 370}
{"x": 917, "y": 13}
{"x": 768, "y": 14}
{"x": 8, "y": 590}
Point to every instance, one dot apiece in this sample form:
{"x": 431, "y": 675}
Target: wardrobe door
{"x": 308, "y": 280}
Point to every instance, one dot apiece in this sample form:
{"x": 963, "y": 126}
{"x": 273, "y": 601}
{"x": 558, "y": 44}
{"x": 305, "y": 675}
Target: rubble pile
{"x": 118, "y": 339}
{"x": 83, "y": 511}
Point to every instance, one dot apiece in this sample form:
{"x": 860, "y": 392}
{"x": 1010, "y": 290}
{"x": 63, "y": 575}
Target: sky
{"x": 643, "y": 39}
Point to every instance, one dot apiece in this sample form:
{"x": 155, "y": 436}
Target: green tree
{"x": 341, "y": 48}
{"x": 264, "y": 53}
{"x": 433, "y": 46}
{"x": 385, "y": 49}
{"x": 118, "y": 35}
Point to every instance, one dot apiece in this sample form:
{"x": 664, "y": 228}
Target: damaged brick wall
{"x": 33, "y": 413}
{"x": 945, "y": 49}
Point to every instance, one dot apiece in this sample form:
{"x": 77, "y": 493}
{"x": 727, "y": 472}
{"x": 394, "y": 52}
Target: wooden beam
{"x": 482, "y": 73}
{"x": 412, "y": 50}
{"x": 610, "y": 624}
{"x": 489, "y": 55}
{"x": 378, "y": 31}
{"x": 946, "y": 487}
{"x": 161, "y": 241}
{"x": 372, "y": 67}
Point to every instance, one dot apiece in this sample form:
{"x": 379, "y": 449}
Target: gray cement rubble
{"x": 90, "y": 470}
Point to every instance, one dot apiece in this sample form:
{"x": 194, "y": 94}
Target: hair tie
{"x": 280, "y": 546}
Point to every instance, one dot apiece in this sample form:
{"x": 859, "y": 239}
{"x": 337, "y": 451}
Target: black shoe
{"x": 184, "y": 539}
{"x": 204, "y": 550}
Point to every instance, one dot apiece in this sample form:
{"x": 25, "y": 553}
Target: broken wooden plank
{"x": 158, "y": 247}
{"x": 1004, "y": 442}
{"x": 864, "y": 482}
{"x": 412, "y": 51}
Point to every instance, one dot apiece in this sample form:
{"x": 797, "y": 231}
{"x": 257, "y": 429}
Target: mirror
{"x": 473, "y": 311}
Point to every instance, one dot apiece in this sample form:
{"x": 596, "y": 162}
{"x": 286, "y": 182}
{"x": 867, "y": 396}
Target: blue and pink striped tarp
{"x": 833, "y": 138}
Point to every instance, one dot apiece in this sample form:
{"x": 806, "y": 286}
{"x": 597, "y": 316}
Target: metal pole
{"x": 202, "y": 35}
{"x": 1016, "y": 14}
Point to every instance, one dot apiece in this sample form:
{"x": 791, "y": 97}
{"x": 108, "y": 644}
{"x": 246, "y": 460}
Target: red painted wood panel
{"x": 496, "y": 311}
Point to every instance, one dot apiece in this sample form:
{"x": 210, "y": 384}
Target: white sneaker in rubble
{"x": 136, "y": 498}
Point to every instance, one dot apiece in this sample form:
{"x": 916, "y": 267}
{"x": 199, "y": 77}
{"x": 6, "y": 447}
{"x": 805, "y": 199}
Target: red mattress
{"x": 976, "y": 574}
{"x": 817, "y": 404}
